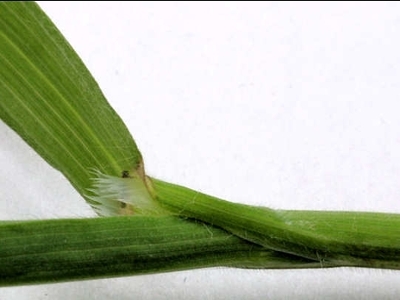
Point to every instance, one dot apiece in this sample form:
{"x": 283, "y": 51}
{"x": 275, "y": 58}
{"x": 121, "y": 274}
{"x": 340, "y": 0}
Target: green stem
{"x": 66, "y": 249}
{"x": 340, "y": 238}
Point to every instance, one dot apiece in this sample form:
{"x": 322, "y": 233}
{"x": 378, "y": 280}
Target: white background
{"x": 287, "y": 105}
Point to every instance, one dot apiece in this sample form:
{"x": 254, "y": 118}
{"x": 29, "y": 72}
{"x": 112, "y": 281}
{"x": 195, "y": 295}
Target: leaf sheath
{"x": 363, "y": 239}
{"x": 49, "y": 251}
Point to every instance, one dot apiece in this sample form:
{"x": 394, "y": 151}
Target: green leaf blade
{"x": 48, "y": 96}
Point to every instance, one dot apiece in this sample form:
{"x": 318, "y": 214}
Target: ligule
{"x": 125, "y": 195}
